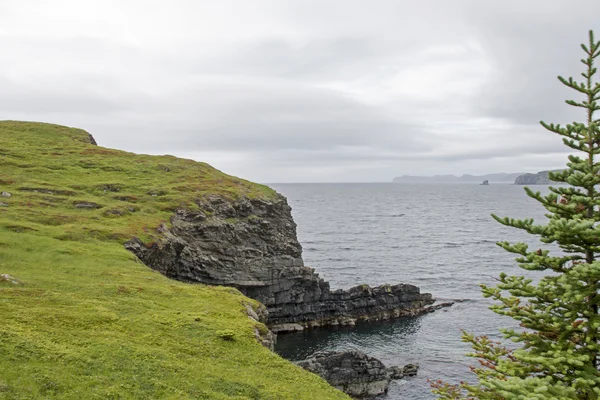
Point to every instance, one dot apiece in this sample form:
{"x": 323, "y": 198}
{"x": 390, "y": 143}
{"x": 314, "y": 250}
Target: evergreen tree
{"x": 557, "y": 356}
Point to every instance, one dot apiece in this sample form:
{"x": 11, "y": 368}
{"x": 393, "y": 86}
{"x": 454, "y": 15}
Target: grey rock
{"x": 9, "y": 279}
{"x": 3, "y": 204}
{"x": 263, "y": 335}
{"x": 91, "y": 140}
{"x": 157, "y": 192}
{"x": 86, "y": 205}
{"x": 410, "y": 369}
{"x": 354, "y": 372}
{"x": 252, "y": 245}
{"x": 111, "y": 187}
{"x": 402, "y": 372}
{"x": 48, "y": 191}
{"x": 396, "y": 372}
{"x": 6, "y": 194}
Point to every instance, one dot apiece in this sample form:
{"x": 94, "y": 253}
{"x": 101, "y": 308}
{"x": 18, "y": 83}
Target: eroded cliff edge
{"x": 252, "y": 245}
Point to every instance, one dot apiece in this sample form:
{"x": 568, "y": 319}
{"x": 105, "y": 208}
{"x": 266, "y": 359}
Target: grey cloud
{"x": 275, "y": 57}
{"x": 530, "y": 48}
{"x": 364, "y": 90}
{"x": 271, "y": 116}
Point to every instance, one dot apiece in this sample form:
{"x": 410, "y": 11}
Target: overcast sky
{"x": 303, "y": 91}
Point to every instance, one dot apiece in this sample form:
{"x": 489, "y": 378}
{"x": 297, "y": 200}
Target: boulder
{"x": 354, "y": 372}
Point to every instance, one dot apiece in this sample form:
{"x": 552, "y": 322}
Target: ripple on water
{"x": 440, "y": 238}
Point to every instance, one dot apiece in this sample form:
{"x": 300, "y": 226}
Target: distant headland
{"x": 539, "y": 178}
{"x": 466, "y": 178}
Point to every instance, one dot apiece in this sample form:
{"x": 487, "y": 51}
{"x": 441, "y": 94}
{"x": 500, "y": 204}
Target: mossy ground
{"x": 90, "y": 321}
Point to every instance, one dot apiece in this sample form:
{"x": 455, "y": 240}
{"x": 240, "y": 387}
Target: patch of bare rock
{"x": 356, "y": 373}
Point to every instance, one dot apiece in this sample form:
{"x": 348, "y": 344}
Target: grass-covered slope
{"x": 86, "y": 319}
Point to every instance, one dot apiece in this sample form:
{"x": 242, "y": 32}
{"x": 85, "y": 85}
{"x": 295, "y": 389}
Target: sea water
{"x": 438, "y": 237}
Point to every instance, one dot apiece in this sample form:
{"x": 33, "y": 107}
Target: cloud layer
{"x": 278, "y": 91}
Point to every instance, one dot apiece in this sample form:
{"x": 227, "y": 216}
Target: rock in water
{"x": 252, "y": 245}
{"x": 354, "y": 372}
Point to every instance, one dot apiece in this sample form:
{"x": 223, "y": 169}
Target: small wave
{"x": 452, "y": 244}
{"x": 446, "y": 299}
{"x": 384, "y": 215}
{"x": 485, "y": 241}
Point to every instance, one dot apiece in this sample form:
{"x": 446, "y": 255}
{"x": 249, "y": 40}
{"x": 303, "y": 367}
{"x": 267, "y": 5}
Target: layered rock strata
{"x": 355, "y": 373}
{"x": 541, "y": 178}
{"x": 252, "y": 245}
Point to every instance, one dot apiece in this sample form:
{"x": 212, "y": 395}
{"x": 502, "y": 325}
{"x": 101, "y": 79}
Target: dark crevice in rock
{"x": 252, "y": 245}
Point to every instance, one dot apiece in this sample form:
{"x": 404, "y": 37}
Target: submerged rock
{"x": 355, "y": 373}
{"x": 252, "y": 245}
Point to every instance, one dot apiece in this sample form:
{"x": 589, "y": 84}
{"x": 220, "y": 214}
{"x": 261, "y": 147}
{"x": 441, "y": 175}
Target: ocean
{"x": 439, "y": 237}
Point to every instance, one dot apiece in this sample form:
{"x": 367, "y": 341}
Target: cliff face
{"x": 252, "y": 245}
{"x": 541, "y": 178}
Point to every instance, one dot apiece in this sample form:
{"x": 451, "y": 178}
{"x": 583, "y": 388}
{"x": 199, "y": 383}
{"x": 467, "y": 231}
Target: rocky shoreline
{"x": 252, "y": 245}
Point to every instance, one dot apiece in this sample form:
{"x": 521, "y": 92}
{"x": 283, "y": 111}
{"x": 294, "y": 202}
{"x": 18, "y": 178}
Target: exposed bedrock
{"x": 252, "y": 245}
{"x": 355, "y": 373}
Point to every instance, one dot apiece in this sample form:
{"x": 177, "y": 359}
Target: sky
{"x": 303, "y": 91}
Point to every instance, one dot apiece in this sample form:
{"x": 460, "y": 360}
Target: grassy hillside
{"x": 87, "y": 320}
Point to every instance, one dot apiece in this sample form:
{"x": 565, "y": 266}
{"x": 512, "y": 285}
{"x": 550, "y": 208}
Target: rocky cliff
{"x": 252, "y": 245}
{"x": 541, "y": 178}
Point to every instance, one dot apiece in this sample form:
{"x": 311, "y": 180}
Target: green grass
{"x": 90, "y": 321}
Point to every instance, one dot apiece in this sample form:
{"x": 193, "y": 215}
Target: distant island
{"x": 467, "y": 178}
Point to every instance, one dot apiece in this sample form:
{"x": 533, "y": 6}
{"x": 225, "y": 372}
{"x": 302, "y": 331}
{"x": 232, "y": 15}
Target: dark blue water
{"x": 438, "y": 237}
